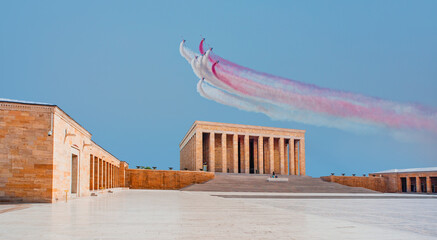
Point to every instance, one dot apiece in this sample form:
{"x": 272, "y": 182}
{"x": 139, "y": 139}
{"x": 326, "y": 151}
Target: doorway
{"x": 403, "y": 184}
{"x": 413, "y": 184}
{"x": 251, "y": 157}
{"x": 74, "y": 173}
{"x": 433, "y": 184}
{"x": 423, "y": 184}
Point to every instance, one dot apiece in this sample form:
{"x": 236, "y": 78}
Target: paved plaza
{"x": 148, "y": 214}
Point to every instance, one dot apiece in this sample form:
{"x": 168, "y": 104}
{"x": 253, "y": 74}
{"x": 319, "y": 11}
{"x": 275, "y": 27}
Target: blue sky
{"x": 115, "y": 68}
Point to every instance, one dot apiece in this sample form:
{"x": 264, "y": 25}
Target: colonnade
{"x": 417, "y": 184}
{"x": 257, "y": 154}
{"x": 103, "y": 174}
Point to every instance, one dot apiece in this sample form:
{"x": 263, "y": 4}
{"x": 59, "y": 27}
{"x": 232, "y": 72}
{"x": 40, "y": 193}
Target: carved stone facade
{"x": 235, "y": 148}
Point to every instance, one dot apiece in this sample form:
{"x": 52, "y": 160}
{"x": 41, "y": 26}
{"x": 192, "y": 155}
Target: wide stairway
{"x": 258, "y": 183}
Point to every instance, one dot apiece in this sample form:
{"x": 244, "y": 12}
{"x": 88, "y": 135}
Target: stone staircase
{"x": 258, "y": 183}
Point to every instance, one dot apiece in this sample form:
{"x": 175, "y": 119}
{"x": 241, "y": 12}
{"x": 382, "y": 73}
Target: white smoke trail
{"x": 262, "y": 101}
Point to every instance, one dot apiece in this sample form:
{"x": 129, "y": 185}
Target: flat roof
{"x": 247, "y": 126}
{"x": 429, "y": 169}
{"x": 25, "y": 102}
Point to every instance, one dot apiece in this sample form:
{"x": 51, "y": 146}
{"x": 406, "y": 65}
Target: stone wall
{"x": 26, "y": 153}
{"x": 37, "y": 143}
{"x": 188, "y": 155}
{"x": 162, "y": 179}
{"x": 373, "y": 183}
{"x": 122, "y": 175}
{"x": 71, "y": 138}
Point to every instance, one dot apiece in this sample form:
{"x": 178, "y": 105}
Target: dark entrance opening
{"x": 206, "y": 166}
{"x": 434, "y": 184}
{"x": 423, "y": 184}
{"x": 404, "y": 184}
{"x": 239, "y": 156}
{"x": 413, "y": 184}
{"x": 251, "y": 157}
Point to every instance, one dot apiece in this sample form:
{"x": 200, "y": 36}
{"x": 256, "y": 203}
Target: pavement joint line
{"x": 324, "y": 197}
{"x": 15, "y": 208}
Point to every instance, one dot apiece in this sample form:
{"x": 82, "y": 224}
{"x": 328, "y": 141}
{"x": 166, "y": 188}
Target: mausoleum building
{"x": 235, "y": 148}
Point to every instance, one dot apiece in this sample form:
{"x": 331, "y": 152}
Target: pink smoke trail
{"x": 291, "y": 94}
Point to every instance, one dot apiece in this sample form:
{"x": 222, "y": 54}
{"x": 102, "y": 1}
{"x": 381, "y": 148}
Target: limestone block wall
{"x": 71, "y": 138}
{"x": 163, "y": 179}
{"x": 373, "y": 183}
{"x": 122, "y": 175}
{"x": 188, "y": 155}
{"x": 25, "y": 153}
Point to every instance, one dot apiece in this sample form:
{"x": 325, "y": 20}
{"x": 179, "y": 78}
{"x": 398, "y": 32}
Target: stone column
{"x": 261, "y": 155}
{"x": 199, "y": 151}
{"x": 285, "y": 157}
{"x": 271, "y": 155}
{"x": 291, "y": 166}
{"x": 302, "y": 157}
{"x": 95, "y": 173}
{"x": 224, "y": 154}
{"x": 246, "y": 155}
{"x": 399, "y": 184}
{"x": 112, "y": 176}
{"x": 211, "y": 152}
{"x": 281, "y": 157}
{"x": 98, "y": 174}
{"x": 255, "y": 156}
{"x": 296, "y": 157}
{"x": 408, "y": 184}
{"x": 109, "y": 175}
{"x": 418, "y": 185}
{"x": 105, "y": 176}
{"x": 428, "y": 184}
{"x": 91, "y": 172}
{"x": 101, "y": 174}
{"x": 235, "y": 153}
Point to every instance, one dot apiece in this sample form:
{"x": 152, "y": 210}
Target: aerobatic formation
{"x": 283, "y": 99}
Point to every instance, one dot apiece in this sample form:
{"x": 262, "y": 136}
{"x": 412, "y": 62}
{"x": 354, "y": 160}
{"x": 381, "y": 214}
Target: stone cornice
{"x": 64, "y": 116}
{"x": 248, "y": 126}
{"x": 197, "y": 127}
{"x": 11, "y": 106}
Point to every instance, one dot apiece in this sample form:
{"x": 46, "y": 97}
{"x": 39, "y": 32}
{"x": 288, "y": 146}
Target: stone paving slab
{"x": 149, "y": 214}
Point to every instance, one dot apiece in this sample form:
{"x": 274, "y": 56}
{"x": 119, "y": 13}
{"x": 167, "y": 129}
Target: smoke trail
{"x": 285, "y": 99}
